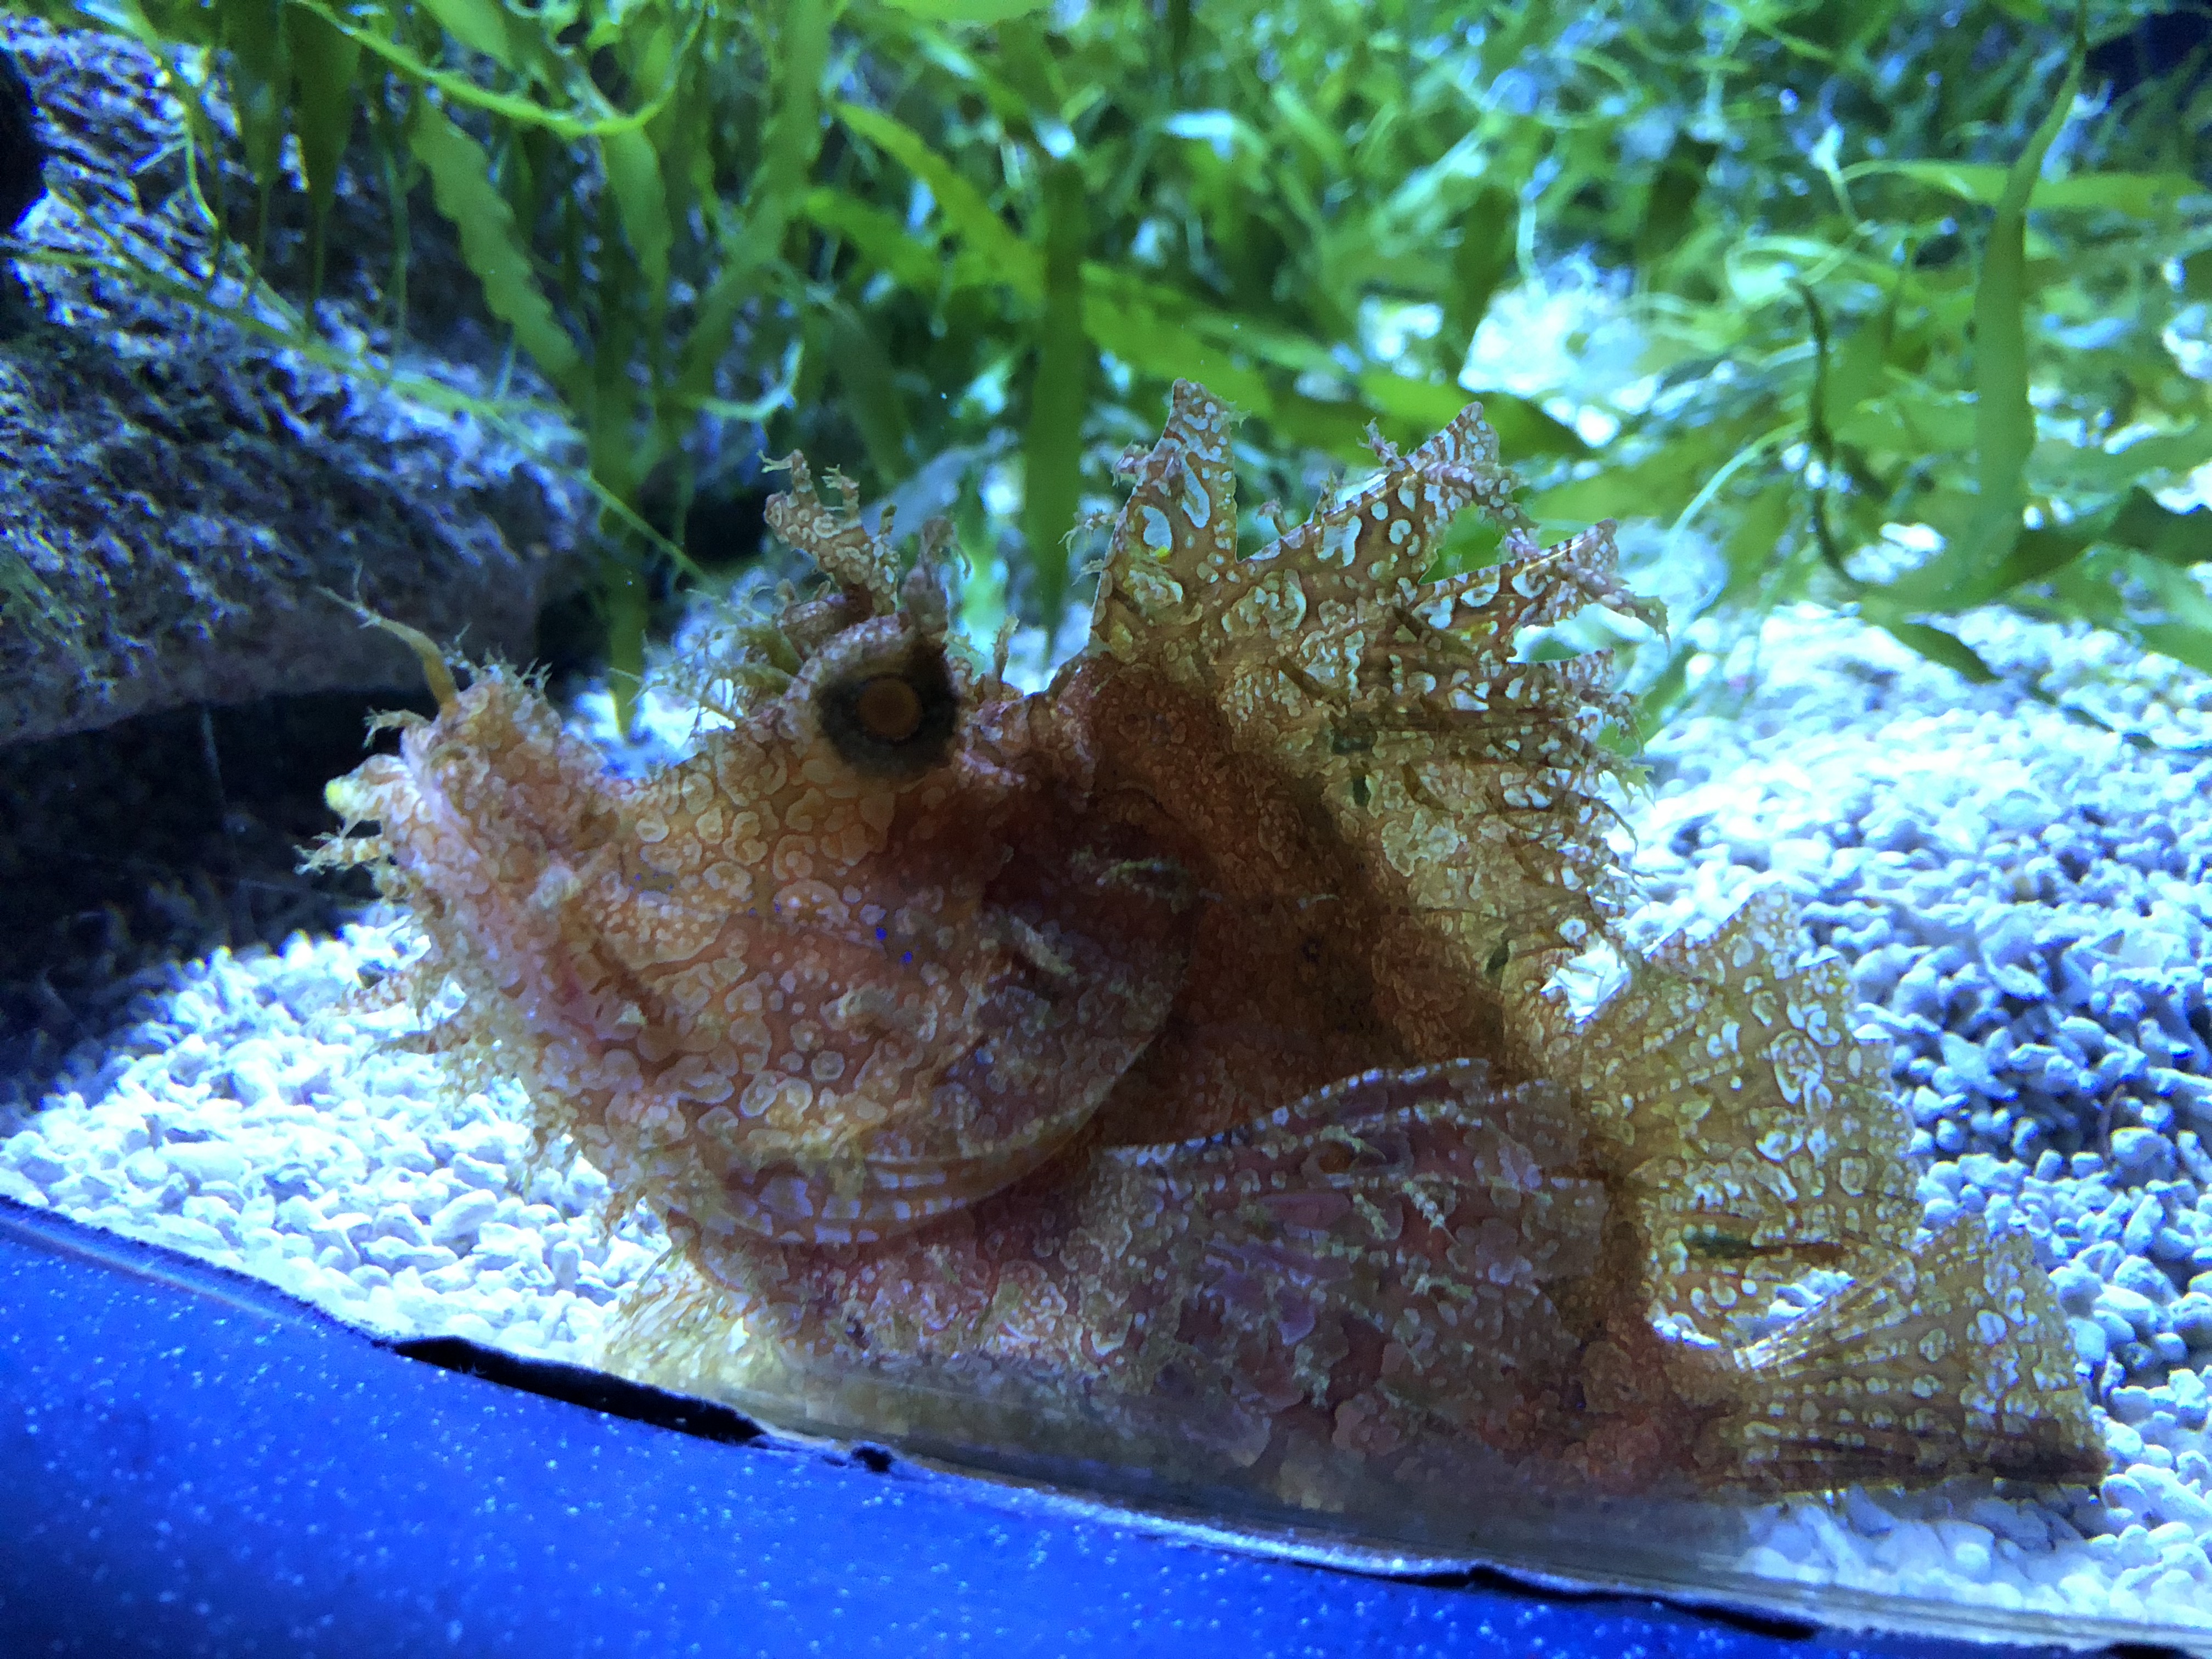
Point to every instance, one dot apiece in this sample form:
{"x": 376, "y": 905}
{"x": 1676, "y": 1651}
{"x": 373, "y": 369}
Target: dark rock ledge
{"x": 175, "y": 491}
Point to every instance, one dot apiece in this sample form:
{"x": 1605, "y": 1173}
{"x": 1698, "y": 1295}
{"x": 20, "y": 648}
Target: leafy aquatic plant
{"x": 1886, "y": 272}
{"x": 1991, "y": 356}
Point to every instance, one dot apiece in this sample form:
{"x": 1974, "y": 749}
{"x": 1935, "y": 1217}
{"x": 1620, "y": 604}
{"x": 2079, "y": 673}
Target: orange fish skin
{"x": 1158, "y": 1070}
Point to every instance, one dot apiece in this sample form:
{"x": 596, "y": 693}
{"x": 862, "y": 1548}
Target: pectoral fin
{"x": 1376, "y": 1261}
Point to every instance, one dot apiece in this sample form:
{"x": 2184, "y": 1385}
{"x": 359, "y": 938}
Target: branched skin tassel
{"x": 1160, "y": 1069}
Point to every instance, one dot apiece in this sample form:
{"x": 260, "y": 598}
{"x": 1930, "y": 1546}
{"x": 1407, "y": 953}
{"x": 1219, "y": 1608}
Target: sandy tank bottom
{"x": 2023, "y": 899}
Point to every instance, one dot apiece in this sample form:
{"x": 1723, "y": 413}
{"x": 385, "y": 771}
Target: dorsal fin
{"x": 1469, "y": 778}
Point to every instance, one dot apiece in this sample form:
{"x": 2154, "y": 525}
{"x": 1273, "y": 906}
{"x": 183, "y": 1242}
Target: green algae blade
{"x": 491, "y": 244}
{"x": 1060, "y": 393}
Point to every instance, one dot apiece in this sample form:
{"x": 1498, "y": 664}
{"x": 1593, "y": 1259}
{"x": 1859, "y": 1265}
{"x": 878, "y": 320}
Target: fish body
{"x": 1159, "y": 1070}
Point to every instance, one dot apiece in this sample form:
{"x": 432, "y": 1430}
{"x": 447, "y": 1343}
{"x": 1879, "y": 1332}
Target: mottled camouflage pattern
{"x": 1159, "y": 1070}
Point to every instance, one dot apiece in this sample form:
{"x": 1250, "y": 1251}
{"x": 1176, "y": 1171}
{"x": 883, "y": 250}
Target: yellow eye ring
{"x": 888, "y": 708}
{"x": 891, "y": 722}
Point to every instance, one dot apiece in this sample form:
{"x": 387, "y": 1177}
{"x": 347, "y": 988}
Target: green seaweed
{"x": 1884, "y": 267}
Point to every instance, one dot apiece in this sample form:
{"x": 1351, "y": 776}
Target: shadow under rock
{"x": 126, "y": 850}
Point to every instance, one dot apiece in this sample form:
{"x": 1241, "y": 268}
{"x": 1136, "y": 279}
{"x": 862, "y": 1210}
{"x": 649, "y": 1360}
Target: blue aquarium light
{"x": 191, "y": 1462}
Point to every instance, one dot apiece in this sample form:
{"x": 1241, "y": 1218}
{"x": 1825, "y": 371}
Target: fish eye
{"x": 895, "y": 722}
{"x": 888, "y": 708}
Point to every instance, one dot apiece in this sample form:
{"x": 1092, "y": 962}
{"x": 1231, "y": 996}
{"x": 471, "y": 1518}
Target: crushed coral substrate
{"x": 2023, "y": 898}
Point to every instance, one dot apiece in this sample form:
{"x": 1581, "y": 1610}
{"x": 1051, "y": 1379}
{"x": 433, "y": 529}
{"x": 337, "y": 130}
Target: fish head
{"x": 860, "y": 961}
{"x": 927, "y": 966}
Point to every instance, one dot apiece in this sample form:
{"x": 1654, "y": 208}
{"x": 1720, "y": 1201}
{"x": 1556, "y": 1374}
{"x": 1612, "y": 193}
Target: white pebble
{"x": 460, "y": 1218}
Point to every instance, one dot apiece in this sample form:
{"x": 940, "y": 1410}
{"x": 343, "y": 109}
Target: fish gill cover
{"x": 1165, "y": 1072}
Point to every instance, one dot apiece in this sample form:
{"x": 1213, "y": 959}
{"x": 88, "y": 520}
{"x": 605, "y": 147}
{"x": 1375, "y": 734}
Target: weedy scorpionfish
{"x": 1166, "y": 1070}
